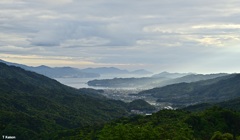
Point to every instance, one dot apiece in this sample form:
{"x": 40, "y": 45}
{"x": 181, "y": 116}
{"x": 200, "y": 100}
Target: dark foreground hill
{"x": 33, "y": 106}
{"x": 214, "y": 123}
{"x": 219, "y": 121}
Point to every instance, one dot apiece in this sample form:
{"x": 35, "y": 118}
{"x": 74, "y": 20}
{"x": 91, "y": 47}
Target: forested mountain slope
{"x": 154, "y": 81}
{"x": 33, "y": 106}
{"x": 213, "y": 90}
{"x": 214, "y": 123}
{"x": 233, "y": 104}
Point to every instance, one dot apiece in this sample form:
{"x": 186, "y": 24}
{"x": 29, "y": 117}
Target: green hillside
{"x": 141, "y": 105}
{"x": 142, "y": 82}
{"x": 34, "y": 106}
{"x": 159, "y": 80}
{"x": 233, "y": 104}
{"x": 213, "y": 90}
{"x": 214, "y": 123}
{"x": 219, "y": 121}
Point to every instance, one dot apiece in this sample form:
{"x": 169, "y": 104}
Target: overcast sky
{"x": 158, "y": 35}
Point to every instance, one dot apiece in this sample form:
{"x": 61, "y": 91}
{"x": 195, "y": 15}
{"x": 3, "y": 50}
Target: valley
{"x": 119, "y": 70}
{"x": 69, "y": 108}
{"x": 174, "y": 91}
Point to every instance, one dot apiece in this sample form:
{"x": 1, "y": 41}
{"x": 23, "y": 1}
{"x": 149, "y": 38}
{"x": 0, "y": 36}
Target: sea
{"x": 82, "y": 82}
{"x": 75, "y": 82}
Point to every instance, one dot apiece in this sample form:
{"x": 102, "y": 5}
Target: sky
{"x": 156, "y": 35}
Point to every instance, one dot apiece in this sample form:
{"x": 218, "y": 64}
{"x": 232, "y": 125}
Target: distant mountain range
{"x": 70, "y": 72}
{"x": 115, "y": 71}
{"x": 170, "y": 75}
{"x": 106, "y": 70}
{"x": 56, "y": 72}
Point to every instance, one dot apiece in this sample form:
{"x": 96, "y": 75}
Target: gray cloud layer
{"x": 179, "y": 35}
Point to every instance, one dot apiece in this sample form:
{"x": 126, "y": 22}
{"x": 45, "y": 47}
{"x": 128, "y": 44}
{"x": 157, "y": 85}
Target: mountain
{"x": 140, "y": 105}
{"x": 196, "y": 77}
{"x": 33, "y": 106}
{"x": 170, "y": 75}
{"x": 143, "y": 82}
{"x": 63, "y": 72}
{"x": 70, "y": 72}
{"x": 189, "y": 78}
{"x": 105, "y": 70}
{"x": 212, "y": 90}
{"x": 115, "y": 71}
{"x": 141, "y": 72}
{"x": 214, "y": 123}
{"x": 151, "y": 82}
{"x": 233, "y": 104}
{"x": 56, "y": 72}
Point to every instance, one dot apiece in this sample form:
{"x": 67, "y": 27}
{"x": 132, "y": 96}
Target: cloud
{"x": 54, "y": 2}
{"x": 35, "y": 60}
{"x": 169, "y": 35}
{"x": 85, "y": 42}
{"x": 217, "y": 26}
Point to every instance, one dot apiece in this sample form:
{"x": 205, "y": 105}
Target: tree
{"x": 219, "y": 136}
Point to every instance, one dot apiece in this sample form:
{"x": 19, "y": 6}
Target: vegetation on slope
{"x": 127, "y": 82}
{"x": 154, "y": 81}
{"x": 213, "y": 90}
{"x": 33, "y": 106}
{"x": 214, "y": 123}
{"x": 141, "y": 105}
